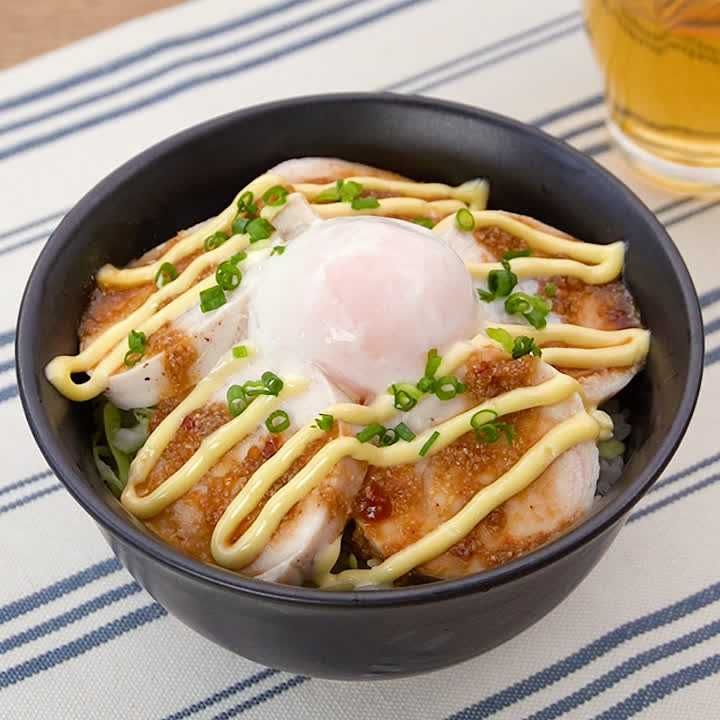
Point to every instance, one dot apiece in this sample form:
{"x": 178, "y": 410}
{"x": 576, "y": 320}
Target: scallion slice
{"x": 465, "y": 219}
{"x": 371, "y": 431}
{"x": 239, "y": 225}
{"x": 550, "y": 290}
{"x": 324, "y": 422}
{"x": 212, "y": 298}
{"x": 432, "y": 364}
{"x": 136, "y": 348}
{"x": 227, "y": 275}
{"x": 240, "y": 352}
{"x": 512, "y": 254}
{"x": 350, "y": 191}
{"x": 424, "y": 222}
{"x": 166, "y": 274}
{"x": 277, "y": 421}
{"x": 278, "y": 250}
{"x": 365, "y": 203}
{"x": 404, "y": 432}
{"x": 429, "y": 443}
{"x": 405, "y": 396}
{"x": 246, "y": 204}
{"x": 272, "y": 382}
{"x": 259, "y": 229}
{"x": 275, "y": 196}
{"x": 237, "y": 400}
{"x": 389, "y": 437}
{"x": 532, "y": 307}
{"x": 214, "y": 241}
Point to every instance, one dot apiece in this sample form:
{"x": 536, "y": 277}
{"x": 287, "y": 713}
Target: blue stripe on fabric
{"x": 498, "y": 59}
{"x": 662, "y": 687}
{"x": 261, "y": 698}
{"x": 22, "y": 243}
{"x": 479, "y": 52}
{"x": 586, "y": 127}
{"x": 596, "y": 149}
{"x": 561, "y": 113}
{"x": 692, "y": 213}
{"x": 7, "y": 365}
{"x": 700, "y": 465}
{"x": 149, "y": 51}
{"x": 712, "y": 356}
{"x": 710, "y": 297}
{"x": 8, "y": 393}
{"x": 712, "y": 326}
{"x": 670, "y": 499}
{"x": 29, "y": 480}
{"x": 69, "y": 617}
{"x": 30, "y": 498}
{"x": 222, "y": 695}
{"x": 7, "y": 337}
{"x": 625, "y": 669}
{"x": 205, "y": 78}
{"x": 48, "y": 594}
{"x": 589, "y": 653}
{"x": 89, "y": 641}
{"x": 33, "y": 223}
{"x": 230, "y": 49}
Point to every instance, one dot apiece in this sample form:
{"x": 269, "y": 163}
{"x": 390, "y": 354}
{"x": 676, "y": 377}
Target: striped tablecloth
{"x": 78, "y": 638}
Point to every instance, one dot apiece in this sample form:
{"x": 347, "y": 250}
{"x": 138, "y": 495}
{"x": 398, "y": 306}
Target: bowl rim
{"x": 128, "y": 534}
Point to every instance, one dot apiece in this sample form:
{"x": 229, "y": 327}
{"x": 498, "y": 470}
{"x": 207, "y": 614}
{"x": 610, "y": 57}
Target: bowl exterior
{"x": 363, "y": 642}
{"x": 381, "y": 633}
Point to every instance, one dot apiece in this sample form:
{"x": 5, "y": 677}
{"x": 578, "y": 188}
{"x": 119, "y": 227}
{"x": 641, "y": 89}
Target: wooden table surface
{"x": 32, "y": 27}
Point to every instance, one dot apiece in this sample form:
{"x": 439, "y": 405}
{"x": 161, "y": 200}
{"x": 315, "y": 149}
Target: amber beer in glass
{"x": 661, "y": 61}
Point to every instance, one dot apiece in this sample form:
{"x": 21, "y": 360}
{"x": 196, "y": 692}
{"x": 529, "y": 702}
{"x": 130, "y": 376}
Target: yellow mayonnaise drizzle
{"x": 473, "y": 193}
{"x": 597, "y": 348}
{"x": 593, "y": 264}
{"x": 588, "y": 349}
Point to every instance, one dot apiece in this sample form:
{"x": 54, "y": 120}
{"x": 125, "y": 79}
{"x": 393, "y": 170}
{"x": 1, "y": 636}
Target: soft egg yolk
{"x": 363, "y": 299}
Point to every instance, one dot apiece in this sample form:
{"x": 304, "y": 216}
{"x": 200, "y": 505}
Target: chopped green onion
{"x": 432, "y": 363}
{"x": 512, "y": 254}
{"x": 278, "y": 250}
{"x": 404, "y": 432}
{"x": 330, "y": 195}
{"x": 524, "y": 345}
{"x": 272, "y": 382}
{"x": 371, "y": 431}
{"x": 228, "y": 276}
{"x": 237, "y": 258}
{"x": 324, "y": 422}
{"x": 424, "y": 222}
{"x": 503, "y": 337}
{"x": 611, "y": 449}
{"x": 136, "y": 345}
{"x": 259, "y": 229}
{"x": 405, "y": 396}
{"x": 239, "y": 225}
{"x": 447, "y": 387}
{"x": 465, "y": 219}
{"x": 487, "y": 427}
{"x": 485, "y": 295}
{"x": 366, "y": 203}
{"x": 245, "y": 203}
{"x": 425, "y": 384}
{"x": 255, "y": 388}
{"x": 275, "y": 196}
{"x": 389, "y": 437}
{"x": 240, "y": 352}
{"x": 214, "y": 241}
{"x": 212, "y": 298}
{"x": 237, "y": 400}
{"x": 428, "y": 444}
{"x": 277, "y": 421}
{"x": 166, "y": 274}
{"x": 533, "y": 308}
{"x": 550, "y": 290}
{"x": 482, "y": 417}
{"x": 350, "y": 191}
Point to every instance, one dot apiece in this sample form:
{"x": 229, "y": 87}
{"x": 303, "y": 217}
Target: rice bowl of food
{"x": 376, "y": 389}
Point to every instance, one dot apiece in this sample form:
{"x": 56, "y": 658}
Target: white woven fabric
{"x": 78, "y": 639}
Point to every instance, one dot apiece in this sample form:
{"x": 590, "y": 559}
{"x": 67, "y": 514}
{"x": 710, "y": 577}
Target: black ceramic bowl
{"x": 193, "y": 175}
